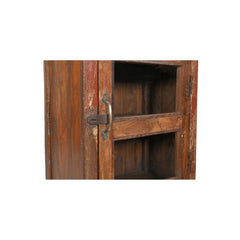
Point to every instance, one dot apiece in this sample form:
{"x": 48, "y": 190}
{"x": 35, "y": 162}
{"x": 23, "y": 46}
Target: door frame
{"x": 186, "y": 106}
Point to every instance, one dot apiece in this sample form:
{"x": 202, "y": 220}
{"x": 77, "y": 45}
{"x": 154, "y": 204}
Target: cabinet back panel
{"x": 162, "y": 155}
{"x": 128, "y": 156}
{"x": 143, "y": 89}
{"x": 145, "y": 158}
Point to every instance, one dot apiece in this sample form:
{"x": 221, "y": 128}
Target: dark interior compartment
{"x": 143, "y": 89}
{"x": 145, "y": 158}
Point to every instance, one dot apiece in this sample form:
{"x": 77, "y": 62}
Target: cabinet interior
{"x": 143, "y": 89}
{"x": 150, "y": 157}
{"x": 140, "y": 89}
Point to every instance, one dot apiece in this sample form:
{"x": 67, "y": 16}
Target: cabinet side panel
{"x": 63, "y": 103}
{"x": 185, "y": 122}
{"x": 47, "y": 94}
{"x": 193, "y": 121}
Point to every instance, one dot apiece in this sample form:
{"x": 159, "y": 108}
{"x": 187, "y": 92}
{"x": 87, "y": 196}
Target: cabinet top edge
{"x": 161, "y": 62}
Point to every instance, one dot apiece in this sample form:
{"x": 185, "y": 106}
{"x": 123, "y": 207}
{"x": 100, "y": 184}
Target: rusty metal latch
{"x": 96, "y": 119}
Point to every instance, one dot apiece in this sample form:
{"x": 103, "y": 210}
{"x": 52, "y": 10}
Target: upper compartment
{"x": 143, "y": 89}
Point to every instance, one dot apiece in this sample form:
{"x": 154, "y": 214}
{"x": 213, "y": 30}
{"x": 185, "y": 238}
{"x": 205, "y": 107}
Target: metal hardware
{"x": 106, "y": 100}
{"x": 96, "y": 119}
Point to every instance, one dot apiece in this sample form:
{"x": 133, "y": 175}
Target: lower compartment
{"x": 150, "y": 157}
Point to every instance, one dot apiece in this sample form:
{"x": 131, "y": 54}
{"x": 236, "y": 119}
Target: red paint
{"x": 91, "y": 93}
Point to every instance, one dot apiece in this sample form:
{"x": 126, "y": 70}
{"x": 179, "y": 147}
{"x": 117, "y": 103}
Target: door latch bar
{"x": 96, "y": 119}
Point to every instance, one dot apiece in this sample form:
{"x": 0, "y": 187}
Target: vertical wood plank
{"x": 179, "y": 135}
{"x": 182, "y": 106}
{"x": 193, "y": 120}
{"x": 185, "y": 112}
{"x": 70, "y": 97}
{"x": 47, "y": 97}
{"x": 63, "y": 119}
{"x": 106, "y": 163}
{"x": 145, "y": 146}
{"x": 90, "y": 132}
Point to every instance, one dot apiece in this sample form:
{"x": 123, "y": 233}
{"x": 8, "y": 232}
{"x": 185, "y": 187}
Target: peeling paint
{"x": 91, "y": 87}
{"x": 90, "y": 100}
{"x": 95, "y": 131}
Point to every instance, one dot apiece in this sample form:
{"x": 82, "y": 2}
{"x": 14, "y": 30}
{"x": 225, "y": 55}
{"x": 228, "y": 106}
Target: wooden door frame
{"x": 105, "y": 80}
{"x": 186, "y": 105}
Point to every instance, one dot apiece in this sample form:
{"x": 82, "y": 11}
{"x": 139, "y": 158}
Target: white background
{"x": 33, "y": 208}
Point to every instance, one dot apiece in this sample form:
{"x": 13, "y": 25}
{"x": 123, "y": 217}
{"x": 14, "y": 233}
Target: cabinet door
{"x": 152, "y": 134}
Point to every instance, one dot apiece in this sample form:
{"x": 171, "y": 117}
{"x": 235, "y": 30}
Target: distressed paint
{"x": 90, "y": 74}
{"x": 90, "y": 132}
{"x": 95, "y": 131}
{"x": 193, "y": 121}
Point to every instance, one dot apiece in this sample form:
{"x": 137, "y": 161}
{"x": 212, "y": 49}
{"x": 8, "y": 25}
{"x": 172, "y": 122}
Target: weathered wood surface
{"x": 162, "y": 155}
{"x": 183, "y": 97}
{"x": 145, "y": 125}
{"x": 106, "y": 163}
{"x": 128, "y": 156}
{"x": 63, "y": 120}
{"x": 143, "y": 89}
{"x": 70, "y": 96}
{"x": 90, "y": 132}
{"x": 169, "y": 63}
{"x": 77, "y": 150}
{"x": 193, "y": 121}
{"x": 47, "y": 97}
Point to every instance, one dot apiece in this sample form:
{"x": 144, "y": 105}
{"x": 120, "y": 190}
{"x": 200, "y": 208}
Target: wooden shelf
{"x": 145, "y": 125}
{"x": 143, "y": 176}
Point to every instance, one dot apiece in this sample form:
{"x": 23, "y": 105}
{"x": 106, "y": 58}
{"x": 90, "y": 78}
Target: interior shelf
{"x": 139, "y": 176}
{"x": 145, "y": 120}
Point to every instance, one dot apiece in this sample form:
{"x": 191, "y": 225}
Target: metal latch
{"x": 96, "y": 119}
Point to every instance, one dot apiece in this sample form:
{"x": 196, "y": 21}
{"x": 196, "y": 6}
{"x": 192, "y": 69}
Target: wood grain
{"x": 183, "y": 105}
{"x": 143, "y": 89}
{"x": 64, "y": 121}
{"x": 128, "y": 156}
{"x": 90, "y": 132}
{"x": 106, "y": 162}
{"x": 193, "y": 121}
{"x": 179, "y": 134}
{"x": 70, "y": 96}
{"x": 153, "y": 134}
{"x": 47, "y": 97}
{"x": 145, "y": 125}
{"x": 160, "y": 62}
{"x": 162, "y": 155}
{"x": 163, "y": 94}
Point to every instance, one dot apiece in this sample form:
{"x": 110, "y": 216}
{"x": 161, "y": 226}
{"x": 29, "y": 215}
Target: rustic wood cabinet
{"x": 120, "y": 119}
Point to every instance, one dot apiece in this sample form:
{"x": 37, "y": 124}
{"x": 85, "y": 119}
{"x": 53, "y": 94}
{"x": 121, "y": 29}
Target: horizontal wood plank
{"x": 145, "y": 125}
{"x": 169, "y": 63}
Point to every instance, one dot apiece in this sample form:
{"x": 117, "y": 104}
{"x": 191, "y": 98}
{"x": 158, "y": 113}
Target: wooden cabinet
{"x": 120, "y": 119}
